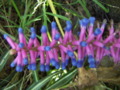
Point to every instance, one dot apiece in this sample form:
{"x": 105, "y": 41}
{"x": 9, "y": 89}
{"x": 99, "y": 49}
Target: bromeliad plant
{"x": 89, "y": 43}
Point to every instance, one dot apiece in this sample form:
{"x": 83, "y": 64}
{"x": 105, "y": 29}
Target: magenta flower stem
{"x": 55, "y": 54}
{"x": 30, "y": 43}
{"x": 66, "y": 37}
{"x": 63, "y": 48}
{"x": 47, "y": 59}
{"x": 88, "y": 50}
{"x": 19, "y": 58}
{"x": 44, "y": 39}
{"x": 70, "y": 36}
{"x": 36, "y": 42}
{"x": 21, "y": 37}
{"x": 109, "y": 38}
{"x": 102, "y": 30}
{"x": 53, "y": 43}
{"x": 32, "y": 57}
{"x": 99, "y": 44}
{"x": 24, "y": 53}
{"x": 82, "y": 33}
{"x": 50, "y": 53}
{"x": 90, "y": 30}
{"x": 42, "y": 59}
{"x": 80, "y": 54}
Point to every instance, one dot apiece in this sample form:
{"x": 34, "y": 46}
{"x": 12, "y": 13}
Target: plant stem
{"x": 50, "y": 2}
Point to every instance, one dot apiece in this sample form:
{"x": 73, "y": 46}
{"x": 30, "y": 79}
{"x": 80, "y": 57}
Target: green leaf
{"x": 38, "y": 85}
{"x": 4, "y": 60}
{"x": 59, "y": 16}
{"x": 100, "y": 5}
{"x": 16, "y": 8}
{"x": 35, "y": 75}
{"x": 64, "y": 80}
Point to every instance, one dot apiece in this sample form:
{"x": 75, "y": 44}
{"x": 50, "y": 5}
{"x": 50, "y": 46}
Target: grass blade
{"x": 4, "y": 60}
{"x": 59, "y": 16}
{"x": 14, "y": 5}
{"x": 100, "y": 5}
{"x": 50, "y": 2}
{"x": 83, "y": 4}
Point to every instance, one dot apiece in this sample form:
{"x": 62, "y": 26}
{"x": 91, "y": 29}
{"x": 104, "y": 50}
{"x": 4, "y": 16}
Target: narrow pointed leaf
{"x": 38, "y": 85}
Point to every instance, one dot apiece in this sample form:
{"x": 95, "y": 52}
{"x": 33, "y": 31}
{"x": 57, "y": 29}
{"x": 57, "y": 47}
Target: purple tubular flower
{"x": 19, "y": 67}
{"x": 90, "y": 29}
{"x": 97, "y": 31}
{"x": 32, "y": 29}
{"x": 53, "y": 25}
{"x": 84, "y": 22}
{"x": 10, "y": 41}
{"x": 13, "y": 64}
{"x": 55, "y": 52}
{"x": 92, "y": 20}
{"x": 43, "y": 29}
{"x": 102, "y": 30}
{"x": 36, "y": 42}
{"x": 47, "y": 67}
{"x": 21, "y": 45}
{"x": 44, "y": 35}
{"x": 52, "y": 44}
{"x": 33, "y": 60}
{"x": 42, "y": 60}
{"x": 21, "y": 35}
{"x": 83, "y": 44}
{"x": 24, "y": 56}
{"x": 109, "y": 38}
{"x": 54, "y": 29}
{"x": 44, "y": 48}
{"x": 52, "y": 58}
{"x": 80, "y": 63}
{"x": 91, "y": 60}
{"x": 33, "y": 36}
{"x": 42, "y": 68}
{"x": 57, "y": 36}
{"x": 68, "y": 27}
{"x": 74, "y": 62}
{"x": 68, "y": 52}
{"x": 99, "y": 44}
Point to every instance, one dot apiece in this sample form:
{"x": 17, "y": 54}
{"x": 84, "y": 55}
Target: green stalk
{"x": 14, "y": 5}
{"x": 83, "y": 4}
{"x": 50, "y": 2}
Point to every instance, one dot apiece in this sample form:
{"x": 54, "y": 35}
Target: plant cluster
{"x": 89, "y": 43}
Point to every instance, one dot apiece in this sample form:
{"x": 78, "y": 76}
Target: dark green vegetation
{"x": 27, "y": 13}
